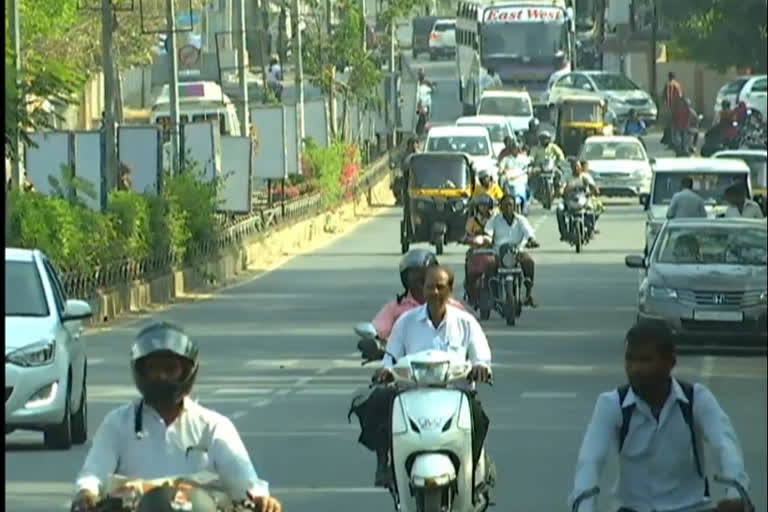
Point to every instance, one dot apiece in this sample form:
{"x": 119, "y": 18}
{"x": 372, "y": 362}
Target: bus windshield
{"x": 530, "y": 40}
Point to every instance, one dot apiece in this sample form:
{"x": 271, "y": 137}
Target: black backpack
{"x": 685, "y": 409}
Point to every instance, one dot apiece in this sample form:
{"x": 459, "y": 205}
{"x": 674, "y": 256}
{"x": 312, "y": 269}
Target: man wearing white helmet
{"x": 547, "y": 149}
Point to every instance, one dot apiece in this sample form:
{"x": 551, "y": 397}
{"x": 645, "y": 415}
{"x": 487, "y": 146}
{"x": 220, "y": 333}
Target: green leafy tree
{"x": 722, "y": 33}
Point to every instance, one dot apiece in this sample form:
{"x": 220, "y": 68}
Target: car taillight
{"x": 434, "y": 35}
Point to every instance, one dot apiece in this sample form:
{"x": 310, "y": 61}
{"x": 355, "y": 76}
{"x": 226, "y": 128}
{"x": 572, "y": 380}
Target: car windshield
{"x": 624, "y": 150}
{"x": 513, "y": 106}
{"x": 613, "y": 82}
{"x": 24, "y": 294}
{"x": 473, "y": 145}
{"x": 710, "y": 186}
{"x": 713, "y": 245}
{"x": 524, "y": 40}
{"x": 497, "y": 131}
{"x": 438, "y": 172}
{"x": 757, "y": 167}
{"x": 587, "y": 112}
{"x": 734, "y": 87}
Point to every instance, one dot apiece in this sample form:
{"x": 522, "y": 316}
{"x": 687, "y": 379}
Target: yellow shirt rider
{"x": 482, "y": 212}
{"x": 488, "y": 187}
{"x": 547, "y": 149}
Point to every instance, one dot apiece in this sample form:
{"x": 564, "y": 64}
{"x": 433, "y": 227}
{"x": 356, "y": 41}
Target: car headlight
{"x": 37, "y": 354}
{"x": 662, "y": 293}
{"x": 430, "y": 373}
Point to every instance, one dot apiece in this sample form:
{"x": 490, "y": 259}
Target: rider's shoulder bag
{"x": 685, "y": 408}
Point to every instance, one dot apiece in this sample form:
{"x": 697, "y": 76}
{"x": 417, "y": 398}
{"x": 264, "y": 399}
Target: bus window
{"x": 198, "y": 118}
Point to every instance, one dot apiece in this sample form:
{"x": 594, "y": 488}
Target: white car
{"x": 442, "y": 39}
{"x": 475, "y": 141}
{"x": 750, "y": 89}
{"x": 620, "y": 93}
{"x": 516, "y": 106}
{"x": 711, "y": 176}
{"x": 619, "y": 164}
{"x": 497, "y": 126}
{"x": 45, "y": 359}
{"x": 755, "y": 159}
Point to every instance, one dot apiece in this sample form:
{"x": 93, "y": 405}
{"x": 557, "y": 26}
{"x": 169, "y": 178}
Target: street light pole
{"x": 173, "y": 84}
{"x": 108, "y": 68}
{"x": 242, "y": 67}
{"x": 300, "y": 128}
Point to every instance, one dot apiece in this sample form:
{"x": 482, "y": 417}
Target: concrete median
{"x": 250, "y": 257}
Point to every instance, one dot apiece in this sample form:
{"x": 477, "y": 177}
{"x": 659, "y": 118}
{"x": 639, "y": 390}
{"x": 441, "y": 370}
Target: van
{"x": 710, "y": 179}
{"x": 198, "y": 101}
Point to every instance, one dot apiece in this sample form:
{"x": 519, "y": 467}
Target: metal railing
{"x": 85, "y": 285}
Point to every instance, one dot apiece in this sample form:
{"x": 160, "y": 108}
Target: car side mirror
{"x": 645, "y": 200}
{"x": 76, "y": 310}
{"x": 652, "y": 161}
{"x": 635, "y": 261}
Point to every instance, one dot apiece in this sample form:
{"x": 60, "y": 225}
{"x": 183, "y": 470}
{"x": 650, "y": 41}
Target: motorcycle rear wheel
{"x": 484, "y": 302}
{"x": 510, "y": 305}
{"x": 578, "y": 234}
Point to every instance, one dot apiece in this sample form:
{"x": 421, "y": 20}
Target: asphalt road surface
{"x": 278, "y": 358}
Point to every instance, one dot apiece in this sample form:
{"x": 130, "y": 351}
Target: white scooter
{"x": 432, "y": 433}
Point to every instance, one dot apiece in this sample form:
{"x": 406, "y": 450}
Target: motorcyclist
{"x": 373, "y": 412}
{"x": 482, "y": 210}
{"x": 133, "y": 440}
{"x": 727, "y": 117}
{"x": 544, "y": 150}
{"x": 531, "y": 136}
{"x": 577, "y": 181}
{"x": 423, "y": 80}
{"x": 634, "y": 125}
{"x": 487, "y": 186}
{"x": 411, "y": 147}
{"x": 509, "y": 143}
{"x": 275, "y": 77}
{"x": 508, "y": 226}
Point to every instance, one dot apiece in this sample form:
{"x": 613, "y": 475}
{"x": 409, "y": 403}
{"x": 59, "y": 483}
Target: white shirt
{"x": 275, "y": 74}
{"x": 459, "y": 332}
{"x": 164, "y": 451}
{"x": 490, "y": 81}
{"x": 582, "y": 181}
{"x": 751, "y": 210}
{"x": 503, "y": 232}
{"x": 657, "y": 471}
{"x": 686, "y": 203}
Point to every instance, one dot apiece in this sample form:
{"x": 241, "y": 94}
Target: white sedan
{"x": 45, "y": 360}
{"x": 498, "y": 128}
{"x": 473, "y": 140}
{"x": 619, "y": 164}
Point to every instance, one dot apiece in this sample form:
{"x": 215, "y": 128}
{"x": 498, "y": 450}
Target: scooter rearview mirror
{"x": 367, "y": 331}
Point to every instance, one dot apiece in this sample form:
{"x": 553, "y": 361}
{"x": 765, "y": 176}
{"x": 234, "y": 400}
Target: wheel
{"x": 404, "y": 244}
{"x": 432, "y": 500}
{"x": 578, "y": 233}
{"x": 510, "y": 306}
{"x": 546, "y": 201}
{"x": 80, "y": 417}
{"x": 59, "y": 437}
{"x": 484, "y": 302}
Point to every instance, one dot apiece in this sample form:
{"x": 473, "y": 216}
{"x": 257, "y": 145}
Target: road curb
{"x": 260, "y": 253}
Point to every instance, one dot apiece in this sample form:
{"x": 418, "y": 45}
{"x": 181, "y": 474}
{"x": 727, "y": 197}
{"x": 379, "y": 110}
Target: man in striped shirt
{"x": 671, "y": 94}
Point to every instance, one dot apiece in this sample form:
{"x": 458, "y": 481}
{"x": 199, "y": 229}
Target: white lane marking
{"x": 238, "y": 414}
{"x": 324, "y": 391}
{"x": 262, "y": 403}
{"x": 707, "y": 369}
{"x": 566, "y": 368}
{"x": 243, "y": 391}
{"x": 95, "y": 361}
{"x": 548, "y": 394}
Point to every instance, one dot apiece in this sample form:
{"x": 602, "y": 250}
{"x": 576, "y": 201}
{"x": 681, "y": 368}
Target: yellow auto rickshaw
{"x": 438, "y": 188}
{"x": 579, "y": 117}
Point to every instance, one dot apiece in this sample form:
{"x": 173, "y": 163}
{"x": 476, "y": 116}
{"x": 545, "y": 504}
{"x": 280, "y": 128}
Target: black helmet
{"x": 484, "y": 199}
{"x": 169, "y": 498}
{"x": 164, "y": 338}
{"x": 416, "y": 258}
{"x": 533, "y": 123}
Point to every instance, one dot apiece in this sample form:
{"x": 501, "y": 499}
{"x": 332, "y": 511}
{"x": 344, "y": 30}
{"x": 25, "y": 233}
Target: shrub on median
{"x": 334, "y": 169}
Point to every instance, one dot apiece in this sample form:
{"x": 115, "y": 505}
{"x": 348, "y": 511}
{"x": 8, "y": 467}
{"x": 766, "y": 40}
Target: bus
{"x": 524, "y": 41}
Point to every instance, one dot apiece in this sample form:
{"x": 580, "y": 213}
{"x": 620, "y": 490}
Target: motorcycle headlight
{"x": 509, "y": 260}
{"x": 662, "y": 293}
{"x": 37, "y": 354}
{"x": 430, "y": 373}
{"x": 459, "y": 205}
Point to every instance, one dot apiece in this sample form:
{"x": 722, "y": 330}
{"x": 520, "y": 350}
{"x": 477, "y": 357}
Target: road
{"x": 278, "y": 358}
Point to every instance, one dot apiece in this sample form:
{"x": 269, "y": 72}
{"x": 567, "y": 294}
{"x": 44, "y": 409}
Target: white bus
{"x": 523, "y": 41}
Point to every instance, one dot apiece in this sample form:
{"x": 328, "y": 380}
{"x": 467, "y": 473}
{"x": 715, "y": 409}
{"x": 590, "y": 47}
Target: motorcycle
{"x": 195, "y": 493}
{"x": 432, "y": 433}
{"x": 714, "y": 142}
{"x": 579, "y": 234}
{"x": 423, "y": 108}
{"x": 499, "y": 287}
{"x": 755, "y": 131}
{"x": 746, "y": 501}
{"x": 548, "y": 183}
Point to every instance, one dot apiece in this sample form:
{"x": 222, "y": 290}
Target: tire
{"x": 433, "y": 500}
{"x": 404, "y": 244}
{"x": 578, "y": 233}
{"x": 80, "y": 417}
{"x": 440, "y": 246}
{"x": 59, "y": 437}
{"x": 484, "y": 302}
{"x": 546, "y": 201}
{"x": 510, "y": 305}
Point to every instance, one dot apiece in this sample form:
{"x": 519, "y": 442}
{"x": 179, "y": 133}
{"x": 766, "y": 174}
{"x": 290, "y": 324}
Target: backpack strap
{"x": 626, "y": 414}
{"x": 687, "y": 411}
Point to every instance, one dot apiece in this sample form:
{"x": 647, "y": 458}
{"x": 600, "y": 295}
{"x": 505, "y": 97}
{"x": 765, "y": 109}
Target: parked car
{"x": 706, "y": 278}
{"x": 442, "y": 39}
{"x": 619, "y": 164}
{"x": 620, "y": 93}
{"x": 45, "y": 356}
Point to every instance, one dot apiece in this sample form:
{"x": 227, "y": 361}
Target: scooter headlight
{"x": 430, "y": 373}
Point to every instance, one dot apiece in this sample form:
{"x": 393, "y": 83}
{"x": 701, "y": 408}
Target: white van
{"x": 710, "y": 179}
{"x": 198, "y": 101}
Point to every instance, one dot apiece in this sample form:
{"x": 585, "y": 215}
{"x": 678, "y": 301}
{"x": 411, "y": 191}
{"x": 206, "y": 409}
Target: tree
{"x": 721, "y": 33}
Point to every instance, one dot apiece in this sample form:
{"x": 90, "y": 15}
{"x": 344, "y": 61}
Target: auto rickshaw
{"x": 579, "y": 117}
{"x": 438, "y": 188}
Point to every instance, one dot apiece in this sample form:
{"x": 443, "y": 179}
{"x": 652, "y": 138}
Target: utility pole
{"x": 654, "y": 49}
{"x": 16, "y": 177}
{"x": 392, "y": 84}
{"x": 108, "y": 68}
{"x": 242, "y": 67}
{"x": 297, "y": 51}
{"x": 263, "y": 60}
{"x": 332, "y": 85}
{"x": 173, "y": 85}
